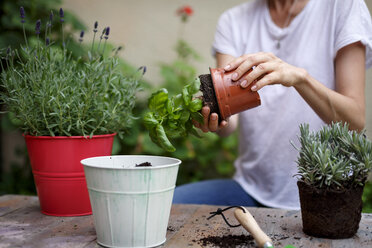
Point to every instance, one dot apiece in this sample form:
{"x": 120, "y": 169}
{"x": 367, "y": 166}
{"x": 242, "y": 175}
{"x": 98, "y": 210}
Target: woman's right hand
{"x": 210, "y": 121}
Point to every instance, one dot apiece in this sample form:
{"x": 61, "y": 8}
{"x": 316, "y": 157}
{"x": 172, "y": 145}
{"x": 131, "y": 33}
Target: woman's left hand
{"x": 268, "y": 69}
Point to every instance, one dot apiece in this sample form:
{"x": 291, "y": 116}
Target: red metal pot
{"x": 58, "y": 173}
{"x": 231, "y": 97}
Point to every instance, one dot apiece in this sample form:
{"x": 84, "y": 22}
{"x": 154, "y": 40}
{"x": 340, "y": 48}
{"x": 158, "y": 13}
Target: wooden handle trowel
{"x": 250, "y": 224}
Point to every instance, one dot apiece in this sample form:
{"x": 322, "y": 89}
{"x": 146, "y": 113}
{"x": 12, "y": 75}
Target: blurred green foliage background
{"x": 206, "y": 158}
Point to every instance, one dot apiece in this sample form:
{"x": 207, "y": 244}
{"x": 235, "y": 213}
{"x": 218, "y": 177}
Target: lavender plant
{"x": 334, "y": 157}
{"x": 49, "y": 93}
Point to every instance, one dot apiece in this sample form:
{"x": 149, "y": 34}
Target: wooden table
{"x": 22, "y": 225}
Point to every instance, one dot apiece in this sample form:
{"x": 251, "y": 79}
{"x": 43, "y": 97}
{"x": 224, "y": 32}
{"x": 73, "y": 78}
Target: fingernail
{"x": 213, "y": 117}
{"x": 235, "y": 76}
{"x": 227, "y": 67}
{"x": 254, "y": 87}
{"x": 244, "y": 83}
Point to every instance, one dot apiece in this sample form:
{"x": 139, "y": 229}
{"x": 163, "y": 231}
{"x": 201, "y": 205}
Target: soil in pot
{"x": 144, "y": 164}
{"x": 330, "y": 213}
{"x": 209, "y": 94}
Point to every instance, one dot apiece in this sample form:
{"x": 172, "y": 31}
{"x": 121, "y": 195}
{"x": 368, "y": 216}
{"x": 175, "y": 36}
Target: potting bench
{"x": 22, "y": 225}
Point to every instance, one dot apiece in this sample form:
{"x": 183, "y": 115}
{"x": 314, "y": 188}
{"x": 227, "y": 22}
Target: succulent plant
{"x": 334, "y": 157}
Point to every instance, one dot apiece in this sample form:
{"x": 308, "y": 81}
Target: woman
{"x": 309, "y": 62}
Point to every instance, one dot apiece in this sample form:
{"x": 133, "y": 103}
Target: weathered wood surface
{"x": 22, "y": 225}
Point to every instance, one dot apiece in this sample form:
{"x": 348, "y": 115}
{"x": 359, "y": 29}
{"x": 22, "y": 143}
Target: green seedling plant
{"x": 171, "y": 117}
{"x": 334, "y": 157}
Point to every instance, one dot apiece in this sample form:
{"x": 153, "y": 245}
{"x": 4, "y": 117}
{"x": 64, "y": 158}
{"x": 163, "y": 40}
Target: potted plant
{"x": 333, "y": 166}
{"x": 69, "y": 109}
{"x": 171, "y": 116}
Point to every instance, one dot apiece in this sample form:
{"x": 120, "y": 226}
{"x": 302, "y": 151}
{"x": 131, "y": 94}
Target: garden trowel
{"x": 250, "y": 224}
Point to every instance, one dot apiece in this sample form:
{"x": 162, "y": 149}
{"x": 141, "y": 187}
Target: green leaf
{"x": 149, "y": 120}
{"x": 196, "y": 105}
{"x": 185, "y": 96}
{"x": 194, "y": 87}
{"x": 163, "y": 139}
{"x": 169, "y": 106}
{"x": 198, "y": 117}
{"x": 185, "y": 116}
{"x": 52, "y": 125}
{"x": 158, "y": 100}
{"x": 194, "y": 132}
{"x": 177, "y": 100}
{"x": 154, "y": 137}
{"x": 173, "y": 124}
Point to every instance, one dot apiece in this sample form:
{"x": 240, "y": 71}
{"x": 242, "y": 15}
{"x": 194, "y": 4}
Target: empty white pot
{"x": 131, "y": 205}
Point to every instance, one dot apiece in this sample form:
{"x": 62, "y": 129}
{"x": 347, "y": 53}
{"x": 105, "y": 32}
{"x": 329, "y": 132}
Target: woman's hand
{"x": 268, "y": 69}
{"x": 210, "y": 123}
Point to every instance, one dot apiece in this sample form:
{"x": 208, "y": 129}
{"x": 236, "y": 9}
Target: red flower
{"x": 185, "y": 11}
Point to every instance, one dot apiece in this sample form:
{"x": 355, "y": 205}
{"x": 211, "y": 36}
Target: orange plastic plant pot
{"x": 231, "y": 97}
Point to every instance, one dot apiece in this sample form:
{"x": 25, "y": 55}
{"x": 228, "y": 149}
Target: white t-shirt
{"x": 266, "y": 164}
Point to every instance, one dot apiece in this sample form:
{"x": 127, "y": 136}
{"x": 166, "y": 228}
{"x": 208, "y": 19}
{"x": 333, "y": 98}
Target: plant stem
{"x": 63, "y": 37}
{"x": 24, "y": 34}
{"x": 99, "y": 44}
{"x": 94, "y": 37}
{"x": 46, "y": 33}
{"x": 104, "y": 47}
{"x": 100, "y": 39}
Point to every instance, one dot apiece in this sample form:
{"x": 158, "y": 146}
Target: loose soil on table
{"x": 227, "y": 241}
{"x": 209, "y": 95}
{"x": 330, "y": 214}
{"x": 144, "y": 164}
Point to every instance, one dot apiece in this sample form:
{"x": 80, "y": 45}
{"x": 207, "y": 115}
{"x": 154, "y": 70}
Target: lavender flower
{"x": 143, "y": 69}
{"x": 103, "y": 32}
{"x": 8, "y": 51}
{"x": 22, "y": 13}
{"x": 47, "y": 41}
{"x": 95, "y": 27}
{"x": 37, "y": 27}
{"x": 107, "y": 32}
{"x": 117, "y": 50}
{"x": 94, "y": 37}
{"x": 51, "y": 15}
{"x": 61, "y": 15}
{"x": 81, "y": 36}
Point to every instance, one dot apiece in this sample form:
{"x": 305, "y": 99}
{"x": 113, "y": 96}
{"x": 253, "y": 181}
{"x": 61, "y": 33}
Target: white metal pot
{"x": 131, "y": 205}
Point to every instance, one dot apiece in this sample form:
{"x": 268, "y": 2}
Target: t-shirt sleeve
{"x": 223, "y": 38}
{"x": 354, "y": 24}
